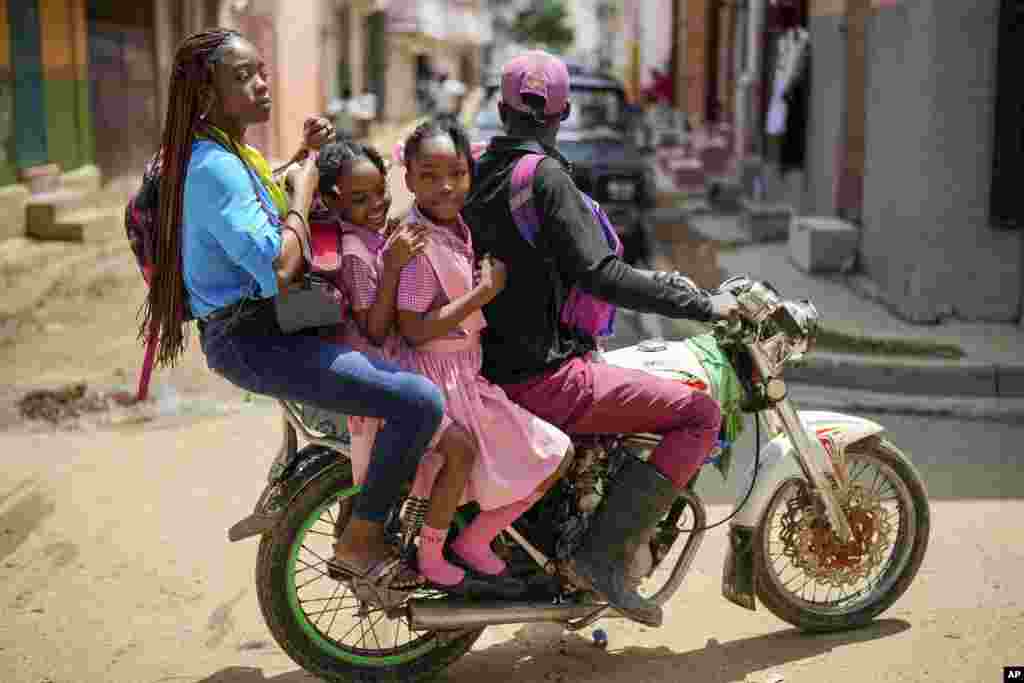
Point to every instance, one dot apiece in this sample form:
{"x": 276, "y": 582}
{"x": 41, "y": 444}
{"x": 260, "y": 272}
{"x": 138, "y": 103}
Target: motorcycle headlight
{"x": 621, "y": 189}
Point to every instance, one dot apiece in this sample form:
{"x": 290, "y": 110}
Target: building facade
{"x": 389, "y": 48}
{"x": 914, "y": 132}
{"x": 45, "y": 107}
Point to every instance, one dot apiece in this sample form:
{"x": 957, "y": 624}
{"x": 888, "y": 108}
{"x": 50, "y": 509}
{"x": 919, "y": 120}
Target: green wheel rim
{"x": 325, "y": 644}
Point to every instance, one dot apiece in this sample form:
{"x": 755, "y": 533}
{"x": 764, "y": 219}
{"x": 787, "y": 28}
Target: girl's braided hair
{"x": 191, "y": 78}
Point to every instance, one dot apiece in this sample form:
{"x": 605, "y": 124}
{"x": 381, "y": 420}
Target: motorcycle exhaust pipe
{"x": 452, "y": 615}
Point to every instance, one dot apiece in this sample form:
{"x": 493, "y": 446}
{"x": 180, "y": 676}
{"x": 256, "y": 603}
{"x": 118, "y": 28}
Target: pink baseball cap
{"x": 536, "y": 73}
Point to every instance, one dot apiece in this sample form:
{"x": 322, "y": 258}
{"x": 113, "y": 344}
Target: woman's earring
{"x": 208, "y": 105}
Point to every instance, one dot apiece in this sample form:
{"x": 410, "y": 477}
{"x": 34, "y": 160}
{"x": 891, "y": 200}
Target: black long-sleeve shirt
{"x": 524, "y": 337}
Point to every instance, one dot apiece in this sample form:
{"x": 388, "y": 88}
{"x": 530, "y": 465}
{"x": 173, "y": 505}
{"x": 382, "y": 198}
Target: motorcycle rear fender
{"x": 777, "y": 466}
{"x": 301, "y": 468}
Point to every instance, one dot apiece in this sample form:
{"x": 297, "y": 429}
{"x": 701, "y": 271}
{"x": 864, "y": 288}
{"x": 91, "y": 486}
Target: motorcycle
{"x": 831, "y": 531}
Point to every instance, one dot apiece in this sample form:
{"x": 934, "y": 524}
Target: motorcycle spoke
{"x": 803, "y": 586}
{"x": 327, "y": 526}
{"x": 373, "y": 630}
{"x": 878, "y": 473}
{"x": 308, "y": 600}
{"x": 775, "y": 564}
{"x": 306, "y": 548}
{"x": 862, "y": 467}
{"x": 321, "y": 533}
{"x": 353, "y": 628}
{"x": 311, "y": 581}
{"x": 330, "y": 627}
{"x": 308, "y": 567}
{"x": 792, "y": 579}
{"x": 332, "y": 610}
{"x": 337, "y": 587}
{"x": 362, "y": 633}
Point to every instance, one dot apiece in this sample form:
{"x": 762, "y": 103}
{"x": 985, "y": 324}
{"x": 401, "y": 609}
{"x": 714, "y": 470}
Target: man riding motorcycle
{"x": 549, "y": 366}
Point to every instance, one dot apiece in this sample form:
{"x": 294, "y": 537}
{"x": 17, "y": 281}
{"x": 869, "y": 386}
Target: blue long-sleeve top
{"x": 229, "y": 242}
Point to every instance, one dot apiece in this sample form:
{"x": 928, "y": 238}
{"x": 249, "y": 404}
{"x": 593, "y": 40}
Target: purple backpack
{"x": 581, "y": 311}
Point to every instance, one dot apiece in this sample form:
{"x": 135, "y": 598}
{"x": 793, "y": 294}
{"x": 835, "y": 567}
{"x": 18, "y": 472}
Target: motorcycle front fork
{"x": 810, "y": 455}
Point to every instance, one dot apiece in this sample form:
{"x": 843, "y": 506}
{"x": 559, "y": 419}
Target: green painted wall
{"x": 83, "y": 109}
{"x": 7, "y": 168}
{"x": 30, "y": 146}
{"x": 68, "y": 122}
{"x": 61, "y": 131}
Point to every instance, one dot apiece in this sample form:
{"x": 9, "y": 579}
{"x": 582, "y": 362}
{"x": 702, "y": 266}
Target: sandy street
{"x": 115, "y": 568}
{"x": 115, "y": 565}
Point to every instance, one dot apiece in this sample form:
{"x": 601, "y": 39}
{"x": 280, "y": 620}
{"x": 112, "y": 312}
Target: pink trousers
{"x": 585, "y": 397}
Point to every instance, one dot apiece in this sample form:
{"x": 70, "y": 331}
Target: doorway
{"x": 377, "y": 58}
{"x": 122, "y": 70}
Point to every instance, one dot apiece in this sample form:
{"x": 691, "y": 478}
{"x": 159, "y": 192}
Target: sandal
{"x": 385, "y": 582}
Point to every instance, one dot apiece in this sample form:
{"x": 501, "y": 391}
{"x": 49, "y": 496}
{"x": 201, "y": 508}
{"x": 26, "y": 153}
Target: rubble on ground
{"x": 69, "y": 403}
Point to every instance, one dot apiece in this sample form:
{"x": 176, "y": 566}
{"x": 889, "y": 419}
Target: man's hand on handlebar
{"x": 724, "y": 306}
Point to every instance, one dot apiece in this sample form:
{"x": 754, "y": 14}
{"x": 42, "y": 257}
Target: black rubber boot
{"x": 639, "y": 498}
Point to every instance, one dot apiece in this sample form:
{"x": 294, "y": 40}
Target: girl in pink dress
{"x": 349, "y": 243}
{"x": 439, "y": 301}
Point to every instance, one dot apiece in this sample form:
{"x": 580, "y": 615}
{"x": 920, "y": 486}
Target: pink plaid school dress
{"x": 356, "y": 253}
{"x": 517, "y": 450}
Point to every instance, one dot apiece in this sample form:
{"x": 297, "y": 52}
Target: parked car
{"x": 597, "y": 138}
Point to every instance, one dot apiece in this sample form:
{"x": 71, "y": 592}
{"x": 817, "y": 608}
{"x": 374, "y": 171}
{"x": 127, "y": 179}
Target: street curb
{"x": 897, "y": 374}
{"x": 909, "y": 376}
{"x": 986, "y": 409}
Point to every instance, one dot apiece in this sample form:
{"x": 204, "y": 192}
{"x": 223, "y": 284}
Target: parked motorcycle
{"x": 830, "y": 530}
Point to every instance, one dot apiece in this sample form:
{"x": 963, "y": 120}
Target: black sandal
{"x": 478, "y": 585}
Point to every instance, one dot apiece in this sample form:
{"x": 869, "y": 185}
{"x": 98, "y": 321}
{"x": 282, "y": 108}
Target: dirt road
{"x": 114, "y": 568}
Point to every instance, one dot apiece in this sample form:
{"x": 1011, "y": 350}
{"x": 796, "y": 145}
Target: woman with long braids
{"x": 228, "y": 242}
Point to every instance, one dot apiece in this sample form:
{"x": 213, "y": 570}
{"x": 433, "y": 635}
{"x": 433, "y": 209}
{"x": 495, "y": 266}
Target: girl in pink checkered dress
{"x": 348, "y": 234}
{"x": 439, "y": 300}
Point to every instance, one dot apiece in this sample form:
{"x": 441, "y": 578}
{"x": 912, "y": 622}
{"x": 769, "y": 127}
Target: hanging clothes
{"x": 788, "y": 107}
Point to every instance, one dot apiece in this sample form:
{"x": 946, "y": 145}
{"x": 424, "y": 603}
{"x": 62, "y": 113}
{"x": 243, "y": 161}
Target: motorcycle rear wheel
{"x": 783, "y": 588}
{"x": 292, "y": 559}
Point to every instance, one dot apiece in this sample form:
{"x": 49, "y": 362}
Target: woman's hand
{"x": 393, "y": 225}
{"x": 304, "y": 178}
{"x": 317, "y": 131}
{"x": 493, "y": 275}
{"x": 403, "y": 244}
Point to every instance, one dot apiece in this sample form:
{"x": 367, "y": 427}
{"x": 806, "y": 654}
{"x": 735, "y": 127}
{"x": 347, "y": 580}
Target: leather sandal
{"x": 381, "y": 583}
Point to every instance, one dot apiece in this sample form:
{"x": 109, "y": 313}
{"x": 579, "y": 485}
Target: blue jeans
{"x": 333, "y": 377}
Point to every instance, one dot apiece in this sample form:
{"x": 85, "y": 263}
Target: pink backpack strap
{"x": 326, "y": 247}
{"x": 520, "y": 196}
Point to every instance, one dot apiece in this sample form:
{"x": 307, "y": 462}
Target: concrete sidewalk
{"x": 993, "y": 365}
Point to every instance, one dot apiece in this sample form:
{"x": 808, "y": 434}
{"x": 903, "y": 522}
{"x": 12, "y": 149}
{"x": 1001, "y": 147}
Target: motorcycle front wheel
{"x": 317, "y": 620}
{"x": 806, "y": 577}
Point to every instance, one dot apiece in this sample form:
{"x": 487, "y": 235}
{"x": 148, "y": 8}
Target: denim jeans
{"x": 307, "y": 369}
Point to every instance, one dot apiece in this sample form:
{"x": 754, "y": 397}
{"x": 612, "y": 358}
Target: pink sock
{"x": 432, "y": 563}
{"x": 474, "y": 543}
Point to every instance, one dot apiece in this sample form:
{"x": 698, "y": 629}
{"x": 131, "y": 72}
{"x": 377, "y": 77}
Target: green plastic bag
{"x": 726, "y": 388}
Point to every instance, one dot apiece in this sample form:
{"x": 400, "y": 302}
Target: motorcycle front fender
{"x": 777, "y": 466}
